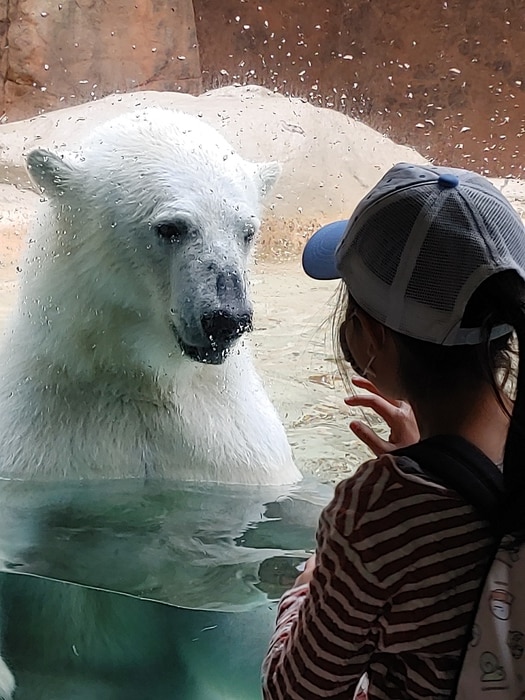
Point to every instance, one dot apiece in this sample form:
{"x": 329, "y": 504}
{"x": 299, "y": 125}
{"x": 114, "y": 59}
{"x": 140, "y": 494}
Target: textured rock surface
{"x": 447, "y": 77}
{"x": 66, "y": 53}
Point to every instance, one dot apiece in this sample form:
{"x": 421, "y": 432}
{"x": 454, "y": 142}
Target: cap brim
{"x": 319, "y": 252}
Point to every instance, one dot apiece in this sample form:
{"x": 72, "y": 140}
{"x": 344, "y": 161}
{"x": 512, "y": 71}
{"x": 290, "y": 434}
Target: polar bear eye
{"x": 172, "y": 231}
{"x": 249, "y": 231}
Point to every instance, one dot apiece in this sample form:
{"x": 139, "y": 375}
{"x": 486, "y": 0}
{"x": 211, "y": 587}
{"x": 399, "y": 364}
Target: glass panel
{"x": 118, "y": 588}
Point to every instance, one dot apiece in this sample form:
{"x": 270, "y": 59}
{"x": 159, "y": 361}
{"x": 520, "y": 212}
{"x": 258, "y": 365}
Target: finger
{"x": 388, "y": 411}
{"x": 371, "y": 439}
{"x": 366, "y": 384}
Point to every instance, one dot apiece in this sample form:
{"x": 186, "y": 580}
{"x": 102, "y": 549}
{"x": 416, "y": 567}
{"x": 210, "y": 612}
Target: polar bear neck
{"x": 200, "y": 422}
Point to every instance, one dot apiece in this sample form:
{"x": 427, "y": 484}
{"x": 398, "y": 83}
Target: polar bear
{"x": 125, "y": 356}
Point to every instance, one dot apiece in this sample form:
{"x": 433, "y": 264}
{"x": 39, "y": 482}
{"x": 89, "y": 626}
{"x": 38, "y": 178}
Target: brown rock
{"x": 66, "y": 53}
{"x": 446, "y": 77}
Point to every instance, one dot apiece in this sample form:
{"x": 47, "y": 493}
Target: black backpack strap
{"x": 457, "y": 464}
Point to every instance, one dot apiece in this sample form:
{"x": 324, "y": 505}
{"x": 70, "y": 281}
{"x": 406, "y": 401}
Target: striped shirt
{"x": 399, "y": 564}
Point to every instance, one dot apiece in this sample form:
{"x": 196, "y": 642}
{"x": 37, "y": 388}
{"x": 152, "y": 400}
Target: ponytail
{"x": 501, "y": 300}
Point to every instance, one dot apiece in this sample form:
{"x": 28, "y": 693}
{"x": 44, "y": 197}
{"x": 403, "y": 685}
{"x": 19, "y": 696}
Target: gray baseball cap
{"x": 417, "y": 247}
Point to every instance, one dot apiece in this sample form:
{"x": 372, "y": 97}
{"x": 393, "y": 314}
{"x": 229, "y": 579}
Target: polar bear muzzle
{"x": 221, "y": 328}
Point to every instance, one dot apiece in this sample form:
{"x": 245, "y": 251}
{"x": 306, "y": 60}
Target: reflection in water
{"x": 216, "y": 556}
{"x": 130, "y": 649}
{"x": 192, "y": 545}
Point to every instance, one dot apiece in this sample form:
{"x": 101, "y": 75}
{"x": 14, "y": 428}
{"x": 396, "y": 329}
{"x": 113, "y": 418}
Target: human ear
{"x": 374, "y": 333}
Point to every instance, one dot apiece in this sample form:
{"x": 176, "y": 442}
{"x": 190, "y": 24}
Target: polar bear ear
{"x": 267, "y": 175}
{"x": 49, "y": 172}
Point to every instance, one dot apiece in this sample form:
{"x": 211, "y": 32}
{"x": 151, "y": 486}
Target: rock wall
{"x": 446, "y": 77}
{"x": 62, "y": 53}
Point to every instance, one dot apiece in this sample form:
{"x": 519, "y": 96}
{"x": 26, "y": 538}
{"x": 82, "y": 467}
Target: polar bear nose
{"x": 223, "y": 326}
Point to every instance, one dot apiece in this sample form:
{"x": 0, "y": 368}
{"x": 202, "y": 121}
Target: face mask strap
{"x": 368, "y": 372}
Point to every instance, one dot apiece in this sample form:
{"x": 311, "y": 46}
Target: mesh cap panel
{"x": 420, "y": 244}
{"x": 381, "y": 253}
{"x": 503, "y": 228}
{"x": 449, "y": 255}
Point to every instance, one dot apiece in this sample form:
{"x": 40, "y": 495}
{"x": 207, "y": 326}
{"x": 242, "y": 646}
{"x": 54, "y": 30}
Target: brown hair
{"x": 428, "y": 369}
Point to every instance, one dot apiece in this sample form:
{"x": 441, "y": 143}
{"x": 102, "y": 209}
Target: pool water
{"x": 130, "y": 589}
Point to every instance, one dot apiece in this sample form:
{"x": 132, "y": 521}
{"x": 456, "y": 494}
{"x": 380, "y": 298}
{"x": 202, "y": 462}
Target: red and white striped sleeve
{"x": 323, "y": 629}
{"x": 395, "y": 563}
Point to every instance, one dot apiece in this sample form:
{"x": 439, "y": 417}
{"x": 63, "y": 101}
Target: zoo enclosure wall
{"x": 447, "y": 76}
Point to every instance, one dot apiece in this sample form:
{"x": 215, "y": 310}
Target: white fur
{"x": 94, "y": 380}
{"x": 7, "y": 682}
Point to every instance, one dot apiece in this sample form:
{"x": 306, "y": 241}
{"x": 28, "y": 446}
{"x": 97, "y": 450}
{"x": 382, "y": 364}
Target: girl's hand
{"x": 306, "y": 574}
{"x": 398, "y": 415}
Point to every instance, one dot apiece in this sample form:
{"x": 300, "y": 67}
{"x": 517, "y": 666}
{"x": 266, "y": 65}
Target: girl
{"x": 432, "y": 264}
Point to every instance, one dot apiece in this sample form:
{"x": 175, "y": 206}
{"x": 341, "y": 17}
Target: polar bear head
{"x": 155, "y": 216}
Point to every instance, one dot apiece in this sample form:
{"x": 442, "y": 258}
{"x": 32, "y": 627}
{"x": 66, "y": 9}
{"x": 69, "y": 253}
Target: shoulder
{"x": 386, "y": 490}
